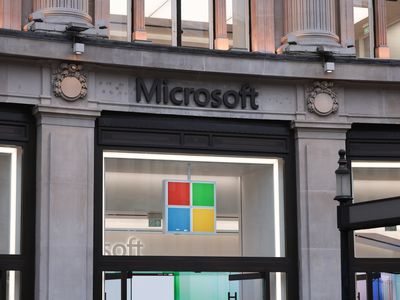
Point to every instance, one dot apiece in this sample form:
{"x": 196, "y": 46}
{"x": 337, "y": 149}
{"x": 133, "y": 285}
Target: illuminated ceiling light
{"x": 375, "y": 164}
{"x": 192, "y": 158}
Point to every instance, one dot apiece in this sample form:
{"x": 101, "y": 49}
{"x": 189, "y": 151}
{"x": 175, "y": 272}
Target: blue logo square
{"x": 178, "y": 219}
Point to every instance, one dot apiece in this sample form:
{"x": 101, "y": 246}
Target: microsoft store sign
{"x": 161, "y": 93}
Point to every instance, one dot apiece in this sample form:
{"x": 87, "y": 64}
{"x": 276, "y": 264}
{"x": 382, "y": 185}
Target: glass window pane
{"x": 120, "y": 20}
{"x": 193, "y": 286}
{"x": 151, "y": 208}
{"x": 195, "y": 17}
{"x": 383, "y": 242}
{"x": 393, "y": 28}
{"x": 112, "y": 285}
{"x": 158, "y": 21}
{"x": 12, "y": 284}
{"x": 375, "y": 180}
{"x": 10, "y": 201}
{"x": 363, "y": 28}
{"x": 383, "y": 286}
{"x": 237, "y": 20}
{"x": 361, "y": 286}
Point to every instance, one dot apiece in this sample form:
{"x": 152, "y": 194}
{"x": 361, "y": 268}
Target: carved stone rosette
{"x": 69, "y": 82}
{"x": 322, "y": 99}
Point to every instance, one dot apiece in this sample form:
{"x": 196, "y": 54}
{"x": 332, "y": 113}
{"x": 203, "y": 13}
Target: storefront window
{"x": 10, "y": 201}
{"x": 10, "y": 285}
{"x": 192, "y": 205}
{"x": 364, "y": 28}
{"x": 191, "y": 285}
{"x": 383, "y": 242}
{"x": 375, "y": 180}
{"x": 377, "y": 285}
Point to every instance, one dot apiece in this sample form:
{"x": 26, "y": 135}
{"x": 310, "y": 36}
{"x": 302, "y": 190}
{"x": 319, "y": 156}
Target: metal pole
{"x": 344, "y": 234}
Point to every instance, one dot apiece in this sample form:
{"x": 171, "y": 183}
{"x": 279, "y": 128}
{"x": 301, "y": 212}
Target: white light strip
{"x": 13, "y": 197}
{"x": 375, "y": 164}
{"x": 277, "y": 226}
{"x": 13, "y": 213}
{"x": 129, "y": 223}
{"x": 103, "y": 226}
{"x": 192, "y": 158}
{"x": 11, "y": 285}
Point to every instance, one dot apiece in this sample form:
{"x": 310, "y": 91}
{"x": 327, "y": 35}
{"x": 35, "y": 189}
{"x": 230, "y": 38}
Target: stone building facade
{"x": 297, "y": 88}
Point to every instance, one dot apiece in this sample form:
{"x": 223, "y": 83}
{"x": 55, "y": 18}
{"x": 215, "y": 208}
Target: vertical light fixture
{"x": 13, "y": 214}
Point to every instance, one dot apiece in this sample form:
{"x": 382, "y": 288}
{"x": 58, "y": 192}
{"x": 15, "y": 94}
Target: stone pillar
{"x": 54, "y": 15}
{"x": 221, "y": 41}
{"x": 64, "y": 215}
{"x": 138, "y": 21}
{"x": 262, "y": 26}
{"x": 381, "y": 48}
{"x": 309, "y": 24}
{"x": 319, "y": 238}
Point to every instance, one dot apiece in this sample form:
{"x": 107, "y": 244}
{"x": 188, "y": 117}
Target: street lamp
{"x": 344, "y": 196}
{"x": 343, "y": 180}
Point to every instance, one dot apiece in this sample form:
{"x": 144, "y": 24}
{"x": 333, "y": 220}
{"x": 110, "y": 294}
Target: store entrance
{"x": 190, "y": 285}
{"x": 373, "y": 248}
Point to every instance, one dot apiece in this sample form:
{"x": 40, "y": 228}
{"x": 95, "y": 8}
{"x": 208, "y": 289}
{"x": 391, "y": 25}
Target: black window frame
{"x": 18, "y": 128}
{"x": 161, "y": 133}
{"x": 370, "y": 142}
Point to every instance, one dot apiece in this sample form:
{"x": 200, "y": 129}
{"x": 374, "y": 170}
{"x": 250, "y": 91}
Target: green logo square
{"x": 203, "y": 194}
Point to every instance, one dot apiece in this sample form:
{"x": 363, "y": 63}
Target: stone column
{"x": 138, "y": 21}
{"x": 64, "y": 214}
{"x": 381, "y": 47}
{"x": 310, "y": 23}
{"x": 221, "y": 41}
{"x": 319, "y": 238}
{"x": 54, "y": 15}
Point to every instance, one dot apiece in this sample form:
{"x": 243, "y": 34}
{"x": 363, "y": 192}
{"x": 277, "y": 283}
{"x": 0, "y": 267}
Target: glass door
{"x": 192, "y": 285}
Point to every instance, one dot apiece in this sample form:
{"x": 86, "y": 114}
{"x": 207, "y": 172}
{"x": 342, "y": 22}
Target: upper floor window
{"x": 377, "y": 28}
{"x": 211, "y": 24}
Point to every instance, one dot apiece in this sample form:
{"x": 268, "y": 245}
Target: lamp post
{"x": 344, "y": 196}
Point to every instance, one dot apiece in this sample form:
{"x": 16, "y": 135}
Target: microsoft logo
{"x": 190, "y": 207}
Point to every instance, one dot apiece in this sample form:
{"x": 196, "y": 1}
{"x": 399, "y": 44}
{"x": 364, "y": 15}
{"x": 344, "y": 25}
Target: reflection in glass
{"x": 193, "y": 286}
{"x": 249, "y": 197}
{"x": 383, "y": 242}
{"x": 393, "y": 28}
{"x": 237, "y": 24}
{"x": 10, "y": 201}
{"x": 158, "y": 21}
{"x": 196, "y": 22}
{"x": 112, "y": 285}
{"x": 120, "y": 20}
{"x": 363, "y": 28}
{"x": 383, "y": 286}
{"x": 13, "y": 285}
{"x": 375, "y": 180}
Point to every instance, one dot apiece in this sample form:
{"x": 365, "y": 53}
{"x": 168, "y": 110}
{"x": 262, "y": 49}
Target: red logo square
{"x": 178, "y": 193}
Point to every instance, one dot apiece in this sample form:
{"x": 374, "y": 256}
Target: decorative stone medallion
{"x": 69, "y": 82}
{"x": 322, "y": 99}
